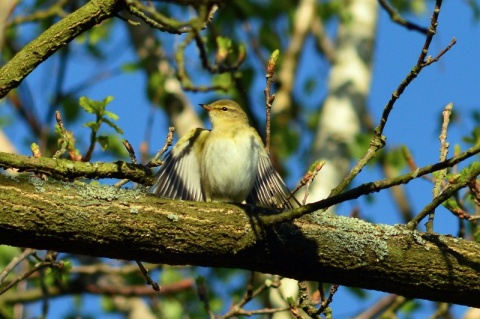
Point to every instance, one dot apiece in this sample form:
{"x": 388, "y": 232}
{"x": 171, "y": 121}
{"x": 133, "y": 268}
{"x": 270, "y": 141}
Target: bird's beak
{"x": 206, "y": 107}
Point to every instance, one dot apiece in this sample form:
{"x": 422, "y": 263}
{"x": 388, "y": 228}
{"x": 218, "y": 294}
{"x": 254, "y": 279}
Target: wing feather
{"x": 179, "y": 176}
{"x": 269, "y": 189}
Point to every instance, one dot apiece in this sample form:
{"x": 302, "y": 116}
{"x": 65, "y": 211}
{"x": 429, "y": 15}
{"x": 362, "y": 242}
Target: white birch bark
{"x": 349, "y": 85}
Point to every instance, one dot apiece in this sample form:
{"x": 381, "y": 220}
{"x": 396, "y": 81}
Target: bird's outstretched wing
{"x": 179, "y": 176}
{"x": 269, "y": 189}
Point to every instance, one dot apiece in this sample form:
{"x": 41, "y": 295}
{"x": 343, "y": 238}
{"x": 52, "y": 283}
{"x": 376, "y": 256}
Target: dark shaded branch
{"x": 112, "y": 223}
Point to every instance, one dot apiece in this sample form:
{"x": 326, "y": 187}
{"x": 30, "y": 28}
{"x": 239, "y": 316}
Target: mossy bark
{"x": 133, "y": 225}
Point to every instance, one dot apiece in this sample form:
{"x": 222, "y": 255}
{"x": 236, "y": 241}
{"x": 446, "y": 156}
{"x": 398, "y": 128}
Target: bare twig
{"x": 454, "y": 185}
{"x": 314, "y": 168}
{"x": 34, "y": 269}
{"x": 397, "y": 18}
{"x": 445, "y": 50}
{"x": 163, "y": 23}
{"x": 40, "y": 15}
{"x": 237, "y": 310}
{"x": 130, "y": 150}
{"x": 443, "y": 156}
{"x": 474, "y": 187}
{"x": 64, "y": 134}
{"x": 218, "y": 68}
{"x": 264, "y": 311}
{"x": 107, "y": 269}
{"x": 149, "y": 279}
{"x": 304, "y": 301}
{"x": 310, "y": 180}
{"x": 24, "y": 62}
{"x": 374, "y": 310}
{"x": 269, "y": 98}
{"x": 372, "y": 187}
{"x": 168, "y": 142}
{"x": 391, "y": 308}
{"x": 14, "y": 262}
{"x": 133, "y": 157}
{"x": 326, "y": 303}
{"x": 378, "y": 140}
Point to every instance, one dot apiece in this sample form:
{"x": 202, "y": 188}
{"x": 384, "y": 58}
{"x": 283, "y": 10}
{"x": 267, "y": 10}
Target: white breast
{"x": 229, "y": 167}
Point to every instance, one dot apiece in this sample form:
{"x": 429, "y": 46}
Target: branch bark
{"x": 53, "y": 39}
{"x": 66, "y": 169}
{"x": 128, "y": 224}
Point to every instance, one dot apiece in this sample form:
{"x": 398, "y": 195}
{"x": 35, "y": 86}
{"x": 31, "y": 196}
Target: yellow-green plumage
{"x": 227, "y": 164}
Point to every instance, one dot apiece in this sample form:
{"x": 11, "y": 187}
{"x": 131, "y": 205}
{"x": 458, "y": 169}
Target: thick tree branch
{"x": 107, "y": 222}
{"x": 52, "y": 40}
{"x": 66, "y": 169}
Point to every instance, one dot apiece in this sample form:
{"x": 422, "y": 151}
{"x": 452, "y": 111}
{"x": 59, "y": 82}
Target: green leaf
{"x": 115, "y": 146}
{"x": 113, "y": 125}
{"x": 170, "y": 275}
{"x": 111, "y": 115}
{"x": 7, "y": 253}
{"x": 87, "y": 104}
{"x": 395, "y": 159}
{"x": 103, "y": 141}
{"x": 93, "y": 125}
{"x": 94, "y": 107}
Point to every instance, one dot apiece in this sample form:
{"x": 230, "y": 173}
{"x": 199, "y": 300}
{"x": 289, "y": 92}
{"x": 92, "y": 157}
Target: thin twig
{"x": 445, "y": 50}
{"x": 412, "y": 164}
{"x": 310, "y": 179}
{"x": 64, "y": 169}
{"x": 64, "y": 134}
{"x": 269, "y": 98}
{"x": 41, "y": 15}
{"x": 309, "y": 176}
{"x": 326, "y": 303}
{"x": 130, "y": 150}
{"x": 149, "y": 279}
{"x": 236, "y": 309}
{"x": 304, "y": 301}
{"x": 14, "y": 262}
{"x": 154, "y": 162}
{"x": 34, "y": 269}
{"x": 264, "y": 311}
{"x": 443, "y": 156}
{"x": 218, "y": 68}
{"x": 378, "y": 140}
{"x": 461, "y": 181}
{"x": 163, "y": 23}
{"x": 397, "y": 18}
{"x": 133, "y": 157}
{"x": 369, "y": 188}
{"x": 374, "y": 310}
{"x": 168, "y": 142}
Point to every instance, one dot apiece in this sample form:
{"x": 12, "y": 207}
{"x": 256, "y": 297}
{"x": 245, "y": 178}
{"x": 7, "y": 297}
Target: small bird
{"x": 227, "y": 164}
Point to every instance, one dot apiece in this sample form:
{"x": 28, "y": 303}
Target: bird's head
{"x": 225, "y": 112}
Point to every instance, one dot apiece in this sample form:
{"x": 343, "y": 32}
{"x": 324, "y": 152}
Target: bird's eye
{"x": 224, "y": 108}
